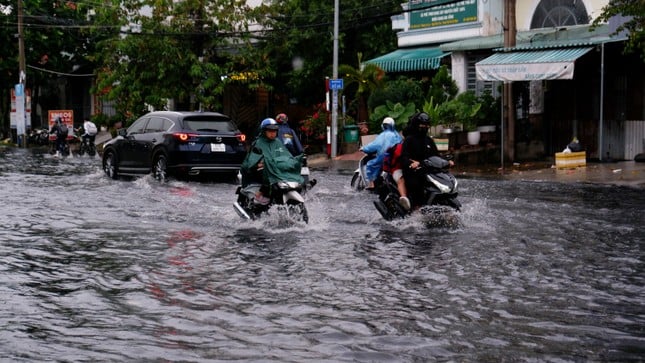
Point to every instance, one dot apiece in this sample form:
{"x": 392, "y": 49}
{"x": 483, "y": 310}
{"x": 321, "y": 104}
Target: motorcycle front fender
{"x": 292, "y": 195}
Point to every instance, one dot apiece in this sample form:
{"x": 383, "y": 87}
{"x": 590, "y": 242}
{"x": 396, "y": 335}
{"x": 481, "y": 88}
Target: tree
{"x": 186, "y": 51}
{"x": 56, "y": 43}
{"x": 634, "y": 11}
{"x": 298, "y": 42}
{"x": 365, "y": 79}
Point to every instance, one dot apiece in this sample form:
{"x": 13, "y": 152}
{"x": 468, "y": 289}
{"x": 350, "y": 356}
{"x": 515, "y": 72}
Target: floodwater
{"x": 93, "y": 269}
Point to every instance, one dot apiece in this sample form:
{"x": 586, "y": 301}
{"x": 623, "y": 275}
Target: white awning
{"x": 530, "y": 65}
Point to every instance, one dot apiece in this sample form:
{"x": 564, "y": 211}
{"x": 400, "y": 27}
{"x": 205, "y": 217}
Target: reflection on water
{"x": 101, "y": 270}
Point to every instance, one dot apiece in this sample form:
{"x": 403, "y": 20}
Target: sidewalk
{"x": 624, "y": 173}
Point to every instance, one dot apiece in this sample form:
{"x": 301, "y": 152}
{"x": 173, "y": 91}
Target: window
{"x": 473, "y": 84}
{"x": 156, "y": 124}
{"x": 555, "y": 13}
{"x": 138, "y": 126}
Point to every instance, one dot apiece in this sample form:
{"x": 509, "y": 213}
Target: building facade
{"x": 568, "y": 78}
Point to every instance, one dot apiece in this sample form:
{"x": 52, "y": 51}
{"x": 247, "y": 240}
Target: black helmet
{"x": 419, "y": 118}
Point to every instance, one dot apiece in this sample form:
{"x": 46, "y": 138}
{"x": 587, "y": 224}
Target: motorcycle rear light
{"x": 241, "y": 137}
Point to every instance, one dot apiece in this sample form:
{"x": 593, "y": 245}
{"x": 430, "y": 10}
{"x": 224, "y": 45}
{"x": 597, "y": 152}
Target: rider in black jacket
{"x": 417, "y": 147}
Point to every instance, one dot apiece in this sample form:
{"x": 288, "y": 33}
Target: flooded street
{"x": 93, "y": 269}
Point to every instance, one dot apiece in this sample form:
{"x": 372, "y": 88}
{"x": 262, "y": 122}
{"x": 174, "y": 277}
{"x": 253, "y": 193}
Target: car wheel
{"x": 160, "y": 168}
{"x": 109, "y": 164}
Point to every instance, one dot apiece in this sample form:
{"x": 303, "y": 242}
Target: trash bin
{"x": 350, "y": 133}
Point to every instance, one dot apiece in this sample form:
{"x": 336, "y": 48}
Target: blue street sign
{"x": 336, "y": 83}
{"x": 19, "y": 89}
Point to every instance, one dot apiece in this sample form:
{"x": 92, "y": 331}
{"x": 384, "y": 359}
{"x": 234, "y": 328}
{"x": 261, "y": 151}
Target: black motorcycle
{"x": 440, "y": 191}
{"x": 39, "y": 137}
{"x": 86, "y": 147}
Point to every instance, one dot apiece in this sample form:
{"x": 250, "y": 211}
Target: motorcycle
{"x": 285, "y": 195}
{"x": 39, "y": 137}
{"x": 440, "y": 191}
{"x": 86, "y": 146}
{"x": 359, "y": 179}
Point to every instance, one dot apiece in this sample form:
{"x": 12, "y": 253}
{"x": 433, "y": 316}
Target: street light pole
{"x": 20, "y": 99}
{"x": 334, "y": 92}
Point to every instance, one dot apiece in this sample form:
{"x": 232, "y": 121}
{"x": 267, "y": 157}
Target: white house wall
{"x": 489, "y": 16}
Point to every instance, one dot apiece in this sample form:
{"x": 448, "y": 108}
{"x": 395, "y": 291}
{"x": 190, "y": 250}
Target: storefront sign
{"x": 434, "y": 13}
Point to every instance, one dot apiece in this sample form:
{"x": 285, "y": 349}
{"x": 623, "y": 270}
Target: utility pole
{"x": 22, "y": 82}
{"x": 510, "y": 32}
{"x": 334, "y": 92}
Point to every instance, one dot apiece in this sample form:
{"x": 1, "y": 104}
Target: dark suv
{"x": 176, "y": 143}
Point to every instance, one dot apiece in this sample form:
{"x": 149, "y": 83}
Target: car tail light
{"x": 241, "y": 137}
{"x": 182, "y": 136}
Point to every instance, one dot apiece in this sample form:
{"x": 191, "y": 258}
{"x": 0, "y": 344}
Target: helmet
{"x": 422, "y": 118}
{"x": 388, "y": 122}
{"x": 57, "y": 120}
{"x": 282, "y": 118}
{"x": 419, "y": 123}
{"x": 269, "y": 124}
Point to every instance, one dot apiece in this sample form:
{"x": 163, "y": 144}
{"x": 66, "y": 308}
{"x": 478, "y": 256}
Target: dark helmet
{"x": 269, "y": 124}
{"x": 420, "y": 118}
{"x": 282, "y": 118}
{"x": 57, "y": 120}
{"x": 418, "y": 123}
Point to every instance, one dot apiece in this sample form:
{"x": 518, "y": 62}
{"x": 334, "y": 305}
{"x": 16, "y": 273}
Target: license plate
{"x": 304, "y": 171}
{"x": 218, "y": 148}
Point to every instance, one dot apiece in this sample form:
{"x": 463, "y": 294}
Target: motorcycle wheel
{"x": 81, "y": 149}
{"x": 382, "y": 209}
{"x": 357, "y": 182}
{"x": 91, "y": 150}
{"x": 298, "y": 212}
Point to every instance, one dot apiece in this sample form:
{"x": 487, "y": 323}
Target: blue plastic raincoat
{"x": 383, "y": 141}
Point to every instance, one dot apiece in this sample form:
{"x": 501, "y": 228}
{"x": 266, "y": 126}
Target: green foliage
{"x": 462, "y": 109}
{"x": 399, "y": 112}
{"x": 489, "y": 112}
{"x": 403, "y": 90}
{"x": 635, "y": 24}
{"x": 174, "y": 53}
{"x": 443, "y": 87}
{"x": 432, "y": 109}
{"x": 360, "y": 82}
{"x": 299, "y": 46}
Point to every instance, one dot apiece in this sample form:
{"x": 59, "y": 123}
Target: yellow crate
{"x": 442, "y": 144}
{"x": 570, "y": 160}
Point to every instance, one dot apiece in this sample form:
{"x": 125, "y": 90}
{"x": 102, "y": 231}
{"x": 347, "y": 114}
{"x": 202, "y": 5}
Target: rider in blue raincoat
{"x": 386, "y": 139}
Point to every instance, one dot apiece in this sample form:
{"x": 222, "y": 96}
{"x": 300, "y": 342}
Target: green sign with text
{"x": 433, "y": 13}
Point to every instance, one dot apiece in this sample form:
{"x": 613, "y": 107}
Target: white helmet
{"x": 388, "y": 122}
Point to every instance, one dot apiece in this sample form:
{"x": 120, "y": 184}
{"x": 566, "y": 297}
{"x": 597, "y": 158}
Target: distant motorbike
{"x": 440, "y": 191}
{"x": 39, "y": 137}
{"x": 86, "y": 146}
{"x": 285, "y": 196}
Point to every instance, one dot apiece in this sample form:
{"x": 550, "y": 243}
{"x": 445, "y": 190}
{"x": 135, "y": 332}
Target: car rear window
{"x": 209, "y": 124}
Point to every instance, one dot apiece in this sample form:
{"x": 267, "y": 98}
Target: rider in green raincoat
{"x": 269, "y": 161}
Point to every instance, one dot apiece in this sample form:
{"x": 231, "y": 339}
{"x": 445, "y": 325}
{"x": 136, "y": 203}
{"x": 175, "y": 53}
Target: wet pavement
{"x": 623, "y": 173}
{"x": 100, "y": 270}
